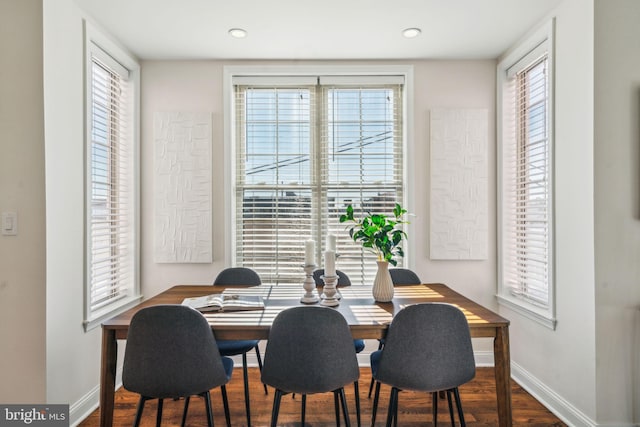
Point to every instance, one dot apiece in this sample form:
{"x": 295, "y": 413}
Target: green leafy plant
{"x": 378, "y": 233}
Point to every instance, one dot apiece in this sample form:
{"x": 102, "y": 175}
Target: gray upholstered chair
{"x": 172, "y": 353}
{"x": 428, "y": 348}
{"x": 343, "y": 279}
{"x": 240, "y": 276}
{"x": 310, "y": 350}
{"x": 404, "y": 276}
{"x": 399, "y": 277}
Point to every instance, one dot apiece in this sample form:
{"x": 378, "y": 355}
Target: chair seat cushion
{"x": 359, "y": 344}
{"x": 227, "y": 362}
{"x": 375, "y": 360}
{"x": 235, "y": 347}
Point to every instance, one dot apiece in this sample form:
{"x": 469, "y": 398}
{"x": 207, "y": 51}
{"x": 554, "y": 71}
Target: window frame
{"x": 520, "y": 58}
{"x": 113, "y": 55}
{"x": 232, "y": 73}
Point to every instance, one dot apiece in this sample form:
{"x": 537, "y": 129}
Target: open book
{"x": 225, "y": 302}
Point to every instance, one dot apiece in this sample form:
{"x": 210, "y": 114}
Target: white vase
{"x": 382, "y": 285}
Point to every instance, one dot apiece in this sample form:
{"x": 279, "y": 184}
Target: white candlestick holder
{"x": 309, "y": 285}
{"x": 329, "y": 295}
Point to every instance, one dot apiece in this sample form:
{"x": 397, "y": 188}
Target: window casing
{"x": 303, "y": 153}
{"x": 526, "y": 281}
{"x": 111, "y": 184}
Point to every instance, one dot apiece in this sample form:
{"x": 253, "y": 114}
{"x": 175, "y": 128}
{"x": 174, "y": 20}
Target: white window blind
{"x": 303, "y": 154}
{"x": 274, "y": 182}
{"x": 527, "y": 186}
{"x": 111, "y": 186}
{"x": 361, "y": 165}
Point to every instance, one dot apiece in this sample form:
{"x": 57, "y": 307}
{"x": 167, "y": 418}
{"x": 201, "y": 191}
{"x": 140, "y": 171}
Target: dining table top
{"x": 366, "y": 317}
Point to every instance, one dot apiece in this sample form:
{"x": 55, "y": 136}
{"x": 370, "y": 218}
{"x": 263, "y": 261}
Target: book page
{"x": 213, "y": 302}
{"x": 240, "y": 302}
{"x": 227, "y": 301}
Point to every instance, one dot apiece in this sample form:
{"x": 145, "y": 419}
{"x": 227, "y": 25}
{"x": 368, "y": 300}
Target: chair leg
{"x": 260, "y": 367}
{"x": 207, "y": 405}
{"x": 370, "y": 388}
{"x": 374, "y": 410}
{"x": 393, "y": 406}
{"x": 456, "y": 394}
{"x": 246, "y": 388}
{"x": 434, "y": 408}
{"x": 141, "y": 402}
{"x": 304, "y": 408}
{"x": 336, "y": 404}
{"x": 345, "y": 411}
{"x": 159, "y": 416}
{"x": 395, "y": 410}
{"x": 276, "y": 408}
{"x": 453, "y": 423}
{"x": 372, "y": 379}
{"x": 356, "y": 388}
{"x": 184, "y": 411}
{"x": 225, "y": 404}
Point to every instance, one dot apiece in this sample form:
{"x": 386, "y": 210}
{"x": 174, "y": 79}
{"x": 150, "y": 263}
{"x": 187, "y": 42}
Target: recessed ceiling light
{"x": 411, "y": 32}
{"x": 238, "y": 33}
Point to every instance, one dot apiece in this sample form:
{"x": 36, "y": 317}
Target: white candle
{"x": 329, "y": 263}
{"x": 331, "y": 242}
{"x": 309, "y": 252}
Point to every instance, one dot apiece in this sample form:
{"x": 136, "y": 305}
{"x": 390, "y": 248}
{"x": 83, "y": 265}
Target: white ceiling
{"x": 327, "y": 29}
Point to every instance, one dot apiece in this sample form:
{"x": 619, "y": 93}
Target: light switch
{"x": 9, "y": 223}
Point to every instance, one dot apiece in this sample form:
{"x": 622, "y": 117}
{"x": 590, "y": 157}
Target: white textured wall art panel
{"x": 459, "y": 184}
{"x": 182, "y": 187}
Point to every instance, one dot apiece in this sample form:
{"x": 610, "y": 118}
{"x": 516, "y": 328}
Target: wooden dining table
{"x": 367, "y": 319}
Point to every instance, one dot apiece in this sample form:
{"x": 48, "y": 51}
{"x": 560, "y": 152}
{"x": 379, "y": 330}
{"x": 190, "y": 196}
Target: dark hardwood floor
{"x": 478, "y": 401}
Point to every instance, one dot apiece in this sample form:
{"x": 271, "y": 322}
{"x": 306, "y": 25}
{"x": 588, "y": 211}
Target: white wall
{"x": 452, "y": 84}
{"x": 179, "y": 86}
{"x": 560, "y": 366}
{"x": 198, "y": 86}
{"x": 617, "y": 210}
{"x": 22, "y": 257}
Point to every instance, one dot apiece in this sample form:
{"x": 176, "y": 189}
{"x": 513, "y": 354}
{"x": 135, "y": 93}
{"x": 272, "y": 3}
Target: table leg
{"x": 108, "y": 376}
{"x": 502, "y": 362}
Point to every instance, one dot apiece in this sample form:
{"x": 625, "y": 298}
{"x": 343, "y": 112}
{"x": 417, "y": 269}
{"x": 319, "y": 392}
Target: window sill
{"x": 538, "y": 315}
{"x": 96, "y": 318}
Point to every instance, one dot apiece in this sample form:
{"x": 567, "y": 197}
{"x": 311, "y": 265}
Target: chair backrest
{"x": 237, "y": 276}
{"x": 404, "y": 276}
{"x": 310, "y": 350}
{"x": 343, "y": 279}
{"x": 171, "y": 352}
{"x": 427, "y": 348}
